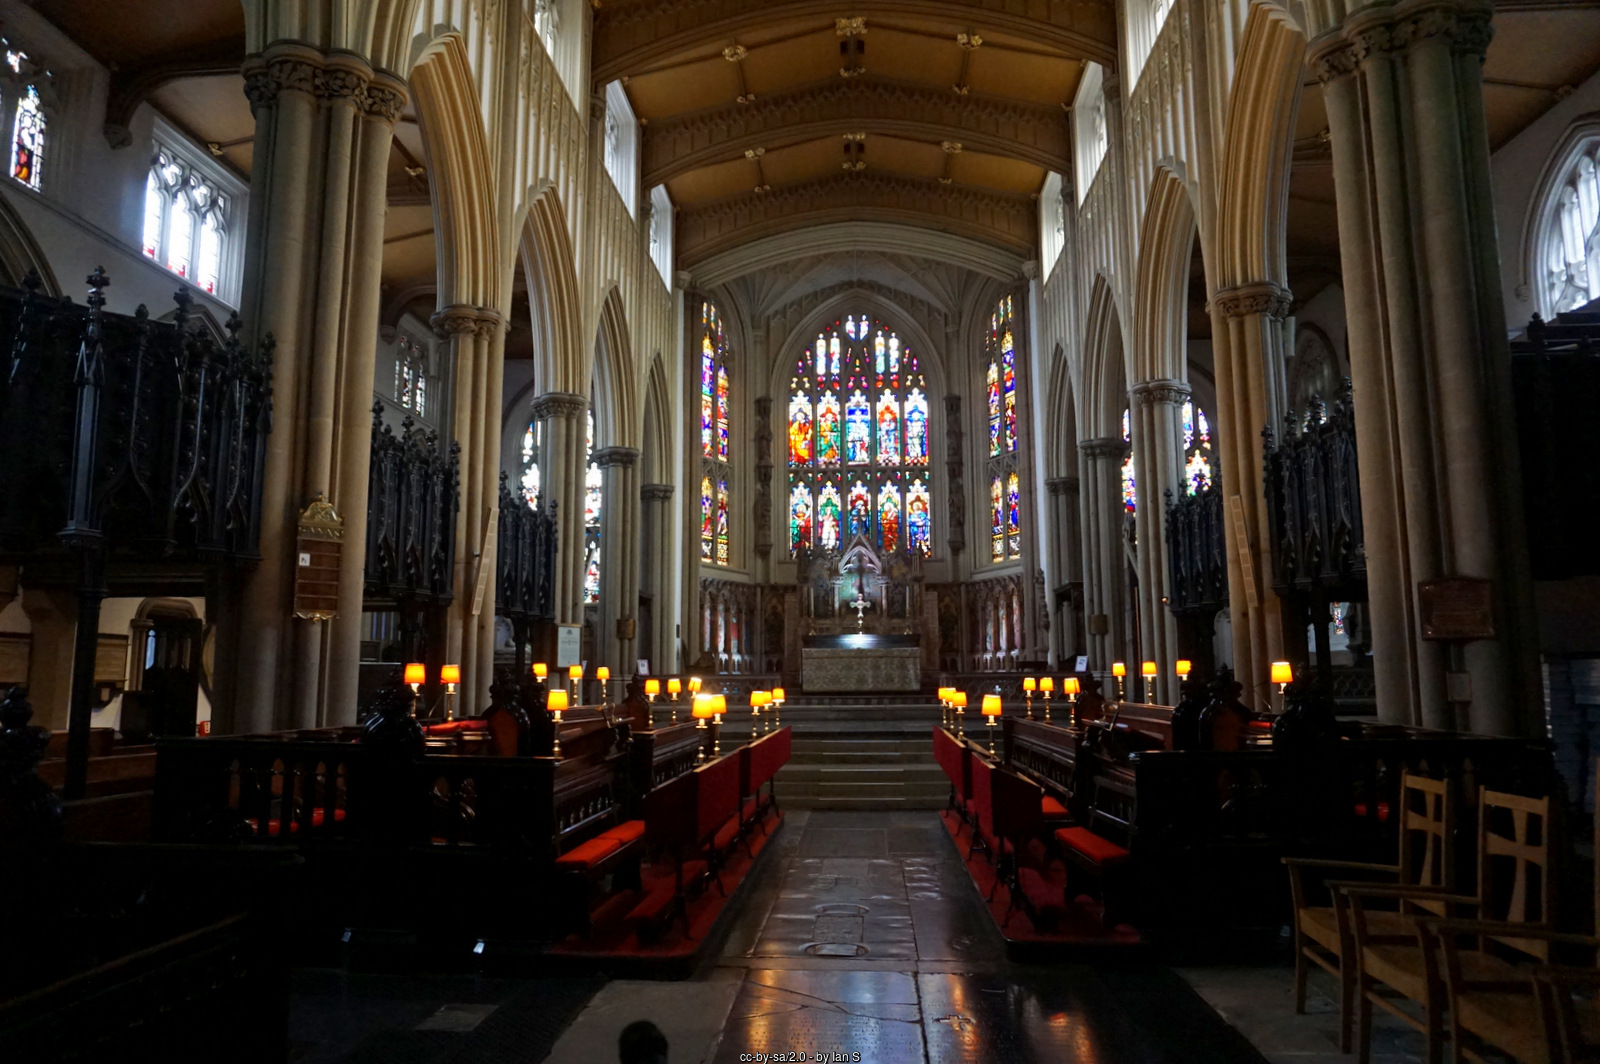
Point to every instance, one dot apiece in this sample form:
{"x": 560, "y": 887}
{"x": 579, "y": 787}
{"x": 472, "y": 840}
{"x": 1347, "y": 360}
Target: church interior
{"x": 918, "y": 530}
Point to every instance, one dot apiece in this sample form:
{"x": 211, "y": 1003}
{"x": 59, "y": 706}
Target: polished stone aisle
{"x": 864, "y": 940}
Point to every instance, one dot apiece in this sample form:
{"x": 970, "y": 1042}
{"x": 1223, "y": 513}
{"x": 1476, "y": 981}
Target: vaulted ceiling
{"x": 762, "y": 118}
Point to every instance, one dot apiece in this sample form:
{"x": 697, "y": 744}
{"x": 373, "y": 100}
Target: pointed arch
{"x": 1105, "y": 372}
{"x": 1061, "y": 455}
{"x": 855, "y": 299}
{"x": 550, "y": 267}
{"x": 655, "y": 449}
{"x": 1161, "y": 281}
{"x": 20, "y": 253}
{"x": 1259, "y": 148}
{"x": 616, "y": 418}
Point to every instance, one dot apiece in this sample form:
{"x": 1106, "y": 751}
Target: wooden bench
{"x": 1114, "y": 812}
{"x": 1048, "y": 755}
{"x": 952, "y": 755}
{"x": 761, "y": 761}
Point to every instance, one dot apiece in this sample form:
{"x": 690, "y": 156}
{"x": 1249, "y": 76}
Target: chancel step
{"x": 862, "y": 754}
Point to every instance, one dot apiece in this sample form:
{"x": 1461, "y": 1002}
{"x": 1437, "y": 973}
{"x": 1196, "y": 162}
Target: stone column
{"x": 1440, "y": 476}
{"x": 562, "y": 415}
{"x": 955, "y": 466}
{"x": 1066, "y": 548}
{"x": 761, "y": 509}
{"x": 619, "y": 559}
{"x": 1158, "y": 460}
{"x": 1249, "y": 355}
{"x": 655, "y": 571}
{"x": 1101, "y": 500}
{"x": 324, "y": 123}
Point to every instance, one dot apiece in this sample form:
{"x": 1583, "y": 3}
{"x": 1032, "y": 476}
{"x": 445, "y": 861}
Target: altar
{"x": 862, "y": 615}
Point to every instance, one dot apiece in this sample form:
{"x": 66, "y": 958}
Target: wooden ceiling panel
{"x": 912, "y": 57}
{"x": 996, "y": 172}
{"x": 689, "y": 87}
{"x": 135, "y": 33}
{"x": 713, "y": 182}
{"x": 213, "y": 110}
{"x": 913, "y": 158}
{"x": 1030, "y": 75}
{"x": 806, "y": 161}
{"x": 793, "y": 61}
{"x": 1535, "y": 55}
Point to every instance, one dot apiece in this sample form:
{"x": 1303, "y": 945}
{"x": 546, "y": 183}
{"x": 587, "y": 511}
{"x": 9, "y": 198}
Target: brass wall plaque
{"x": 1456, "y": 609}
{"x": 319, "y": 542}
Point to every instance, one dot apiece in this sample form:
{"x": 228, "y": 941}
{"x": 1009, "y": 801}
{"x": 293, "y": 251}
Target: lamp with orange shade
{"x": 958, "y": 702}
{"x": 556, "y": 702}
{"x": 777, "y": 703}
{"x": 541, "y": 671}
{"x": 694, "y": 685}
{"x": 575, "y": 681}
{"x": 674, "y": 688}
{"x": 991, "y": 710}
{"x": 1183, "y": 668}
{"x": 1047, "y": 685}
{"x": 1119, "y": 670}
{"x": 1148, "y": 671}
{"x": 1072, "y": 688}
{"x": 756, "y": 702}
{"x": 416, "y": 675}
{"x": 450, "y": 675}
{"x": 603, "y": 674}
{"x": 719, "y": 706}
{"x": 944, "y": 706}
{"x": 1282, "y": 675}
{"x": 700, "y": 709}
{"x": 1029, "y": 685}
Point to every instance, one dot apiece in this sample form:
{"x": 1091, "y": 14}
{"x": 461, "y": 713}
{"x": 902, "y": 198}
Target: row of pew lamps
{"x": 953, "y": 703}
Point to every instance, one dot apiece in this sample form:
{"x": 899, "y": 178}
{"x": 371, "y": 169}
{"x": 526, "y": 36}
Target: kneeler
{"x": 1426, "y": 859}
{"x": 1396, "y": 968}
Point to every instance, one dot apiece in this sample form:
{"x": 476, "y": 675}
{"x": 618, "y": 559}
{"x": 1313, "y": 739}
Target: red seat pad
{"x": 726, "y": 834}
{"x": 1051, "y": 808}
{"x": 654, "y": 904}
{"x": 755, "y": 807}
{"x": 625, "y": 832}
{"x": 1042, "y": 893}
{"x": 586, "y": 855}
{"x": 1383, "y": 810}
{"x": 1085, "y": 842}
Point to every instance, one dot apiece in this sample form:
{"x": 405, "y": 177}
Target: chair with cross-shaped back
{"x": 1426, "y": 858}
{"x": 1401, "y": 970}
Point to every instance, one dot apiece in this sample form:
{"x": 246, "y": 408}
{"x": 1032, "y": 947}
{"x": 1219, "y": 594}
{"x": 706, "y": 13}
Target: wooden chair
{"x": 1393, "y": 968}
{"x": 1569, "y": 1011}
{"x": 1426, "y": 859}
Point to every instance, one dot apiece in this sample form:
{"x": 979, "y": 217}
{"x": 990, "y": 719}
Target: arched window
{"x": 27, "y": 124}
{"x": 411, "y": 376}
{"x": 186, "y": 220}
{"x": 532, "y": 443}
{"x": 1000, "y": 383}
{"x": 715, "y": 472}
{"x": 1196, "y": 449}
{"x": 592, "y": 499}
{"x": 1568, "y": 258}
{"x": 858, "y": 442}
{"x": 1130, "y": 486}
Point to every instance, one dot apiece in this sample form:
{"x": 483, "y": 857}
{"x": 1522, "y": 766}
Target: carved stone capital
{"x": 569, "y": 405}
{"x": 656, "y": 492}
{"x": 342, "y": 79}
{"x": 616, "y": 457}
{"x": 282, "y": 68}
{"x": 1062, "y": 485}
{"x": 459, "y": 319}
{"x": 1387, "y": 30}
{"x": 1101, "y": 447}
{"x": 1161, "y": 390}
{"x": 1262, "y": 297}
{"x": 385, "y": 98}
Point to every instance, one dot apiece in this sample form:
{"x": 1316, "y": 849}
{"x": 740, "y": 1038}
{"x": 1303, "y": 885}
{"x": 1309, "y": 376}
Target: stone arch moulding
{"x": 1259, "y": 148}
{"x": 457, "y": 153}
{"x": 840, "y": 237}
{"x": 1061, "y": 454}
{"x": 1535, "y": 222}
{"x": 656, "y": 434}
{"x": 616, "y": 413}
{"x": 553, "y": 303}
{"x": 892, "y": 314}
{"x": 1104, "y": 363}
{"x": 1162, "y": 279}
{"x": 19, "y": 252}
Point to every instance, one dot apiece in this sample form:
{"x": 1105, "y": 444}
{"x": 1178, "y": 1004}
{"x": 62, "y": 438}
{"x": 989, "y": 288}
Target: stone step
{"x": 863, "y": 773}
{"x": 843, "y": 751}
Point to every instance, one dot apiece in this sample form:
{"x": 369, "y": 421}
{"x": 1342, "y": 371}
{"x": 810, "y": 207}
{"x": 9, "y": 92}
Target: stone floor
{"x": 860, "y": 934}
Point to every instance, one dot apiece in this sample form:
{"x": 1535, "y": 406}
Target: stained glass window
{"x": 1196, "y": 449}
{"x": 27, "y": 131}
{"x": 186, "y": 221}
{"x": 532, "y": 441}
{"x": 593, "y": 499}
{"x": 715, "y": 404}
{"x": 411, "y": 375}
{"x": 1000, "y": 387}
{"x": 1130, "y": 486}
{"x": 870, "y": 415}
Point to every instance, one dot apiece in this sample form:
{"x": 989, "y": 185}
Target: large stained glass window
{"x": 532, "y": 442}
{"x": 593, "y": 499}
{"x": 1000, "y": 384}
{"x": 28, "y": 123}
{"x": 715, "y": 402}
{"x": 858, "y": 442}
{"x": 1130, "y": 484}
{"x": 1196, "y": 449}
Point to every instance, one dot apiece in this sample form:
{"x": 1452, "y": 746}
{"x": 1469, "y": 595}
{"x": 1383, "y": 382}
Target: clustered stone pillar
{"x": 324, "y": 124}
{"x": 1100, "y": 459}
{"x": 1066, "y": 547}
{"x": 1247, "y": 324}
{"x": 656, "y": 572}
{"x": 1440, "y": 482}
{"x": 563, "y": 416}
{"x": 1157, "y": 424}
{"x": 617, "y": 639}
{"x": 474, "y": 340}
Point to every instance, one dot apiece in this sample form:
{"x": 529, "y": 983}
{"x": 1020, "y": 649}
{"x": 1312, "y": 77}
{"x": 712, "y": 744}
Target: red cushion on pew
{"x": 971, "y": 806}
{"x": 1383, "y": 810}
{"x": 625, "y": 832}
{"x": 755, "y": 807}
{"x": 726, "y": 834}
{"x": 1051, "y": 808}
{"x": 588, "y": 854}
{"x": 1045, "y": 895}
{"x": 1083, "y": 841}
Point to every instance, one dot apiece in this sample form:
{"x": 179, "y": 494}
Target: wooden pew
{"x": 763, "y": 758}
{"x": 664, "y": 753}
{"x": 1048, "y": 754}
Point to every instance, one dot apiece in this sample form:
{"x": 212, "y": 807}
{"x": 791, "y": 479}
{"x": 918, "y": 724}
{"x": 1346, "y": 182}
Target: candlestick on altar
{"x": 1047, "y": 684}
